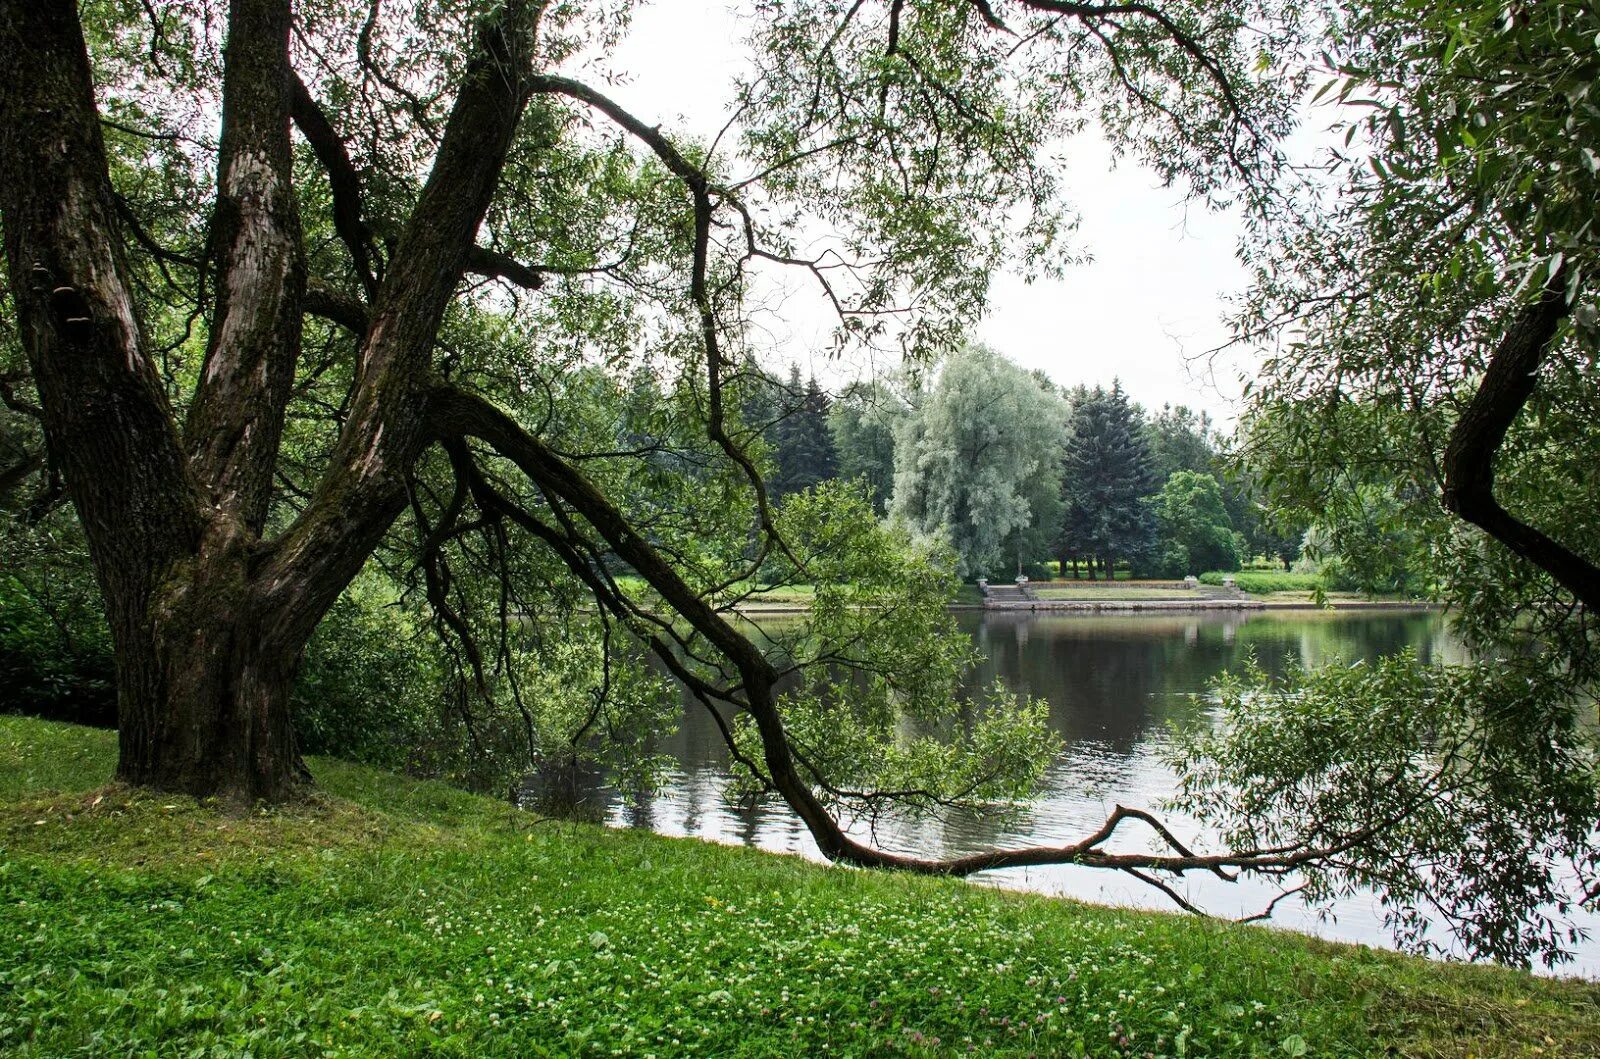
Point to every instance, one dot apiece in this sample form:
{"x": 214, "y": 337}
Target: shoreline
{"x": 399, "y": 916}
{"x": 1134, "y": 605}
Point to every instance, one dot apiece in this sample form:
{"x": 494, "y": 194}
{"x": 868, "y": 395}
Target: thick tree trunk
{"x": 202, "y": 686}
{"x": 204, "y": 682}
{"x": 208, "y": 620}
{"x": 205, "y": 711}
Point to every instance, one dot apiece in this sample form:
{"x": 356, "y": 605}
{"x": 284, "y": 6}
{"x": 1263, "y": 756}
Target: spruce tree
{"x": 1107, "y": 474}
{"x": 802, "y": 444}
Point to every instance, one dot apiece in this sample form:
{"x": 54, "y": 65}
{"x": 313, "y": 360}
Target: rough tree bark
{"x": 208, "y": 618}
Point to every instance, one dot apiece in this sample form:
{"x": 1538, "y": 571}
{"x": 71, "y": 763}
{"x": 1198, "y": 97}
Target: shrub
{"x": 1266, "y": 580}
{"x": 55, "y": 647}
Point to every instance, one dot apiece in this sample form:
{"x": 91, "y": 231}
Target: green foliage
{"x": 794, "y": 422}
{"x": 871, "y": 703}
{"x": 371, "y": 686}
{"x": 1181, "y": 439}
{"x": 1195, "y": 531}
{"x": 1108, "y": 473}
{"x": 1466, "y": 185}
{"x": 1264, "y": 581}
{"x": 55, "y": 648}
{"x": 405, "y": 917}
{"x": 1370, "y": 544}
{"x": 975, "y": 462}
{"x": 863, "y": 422}
{"x": 1451, "y": 790}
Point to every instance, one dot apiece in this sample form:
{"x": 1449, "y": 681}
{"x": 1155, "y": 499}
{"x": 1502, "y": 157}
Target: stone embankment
{"x": 1187, "y": 594}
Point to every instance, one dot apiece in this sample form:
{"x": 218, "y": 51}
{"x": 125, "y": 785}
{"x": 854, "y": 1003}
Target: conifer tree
{"x": 862, "y": 422}
{"x": 801, "y": 441}
{"x": 1107, "y": 474}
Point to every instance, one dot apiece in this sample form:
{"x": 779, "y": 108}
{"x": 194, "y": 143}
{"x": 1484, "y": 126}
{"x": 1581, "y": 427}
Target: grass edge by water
{"x": 371, "y": 841}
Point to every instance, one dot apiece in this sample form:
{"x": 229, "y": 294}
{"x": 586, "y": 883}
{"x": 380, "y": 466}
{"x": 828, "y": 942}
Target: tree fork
{"x": 208, "y": 621}
{"x": 200, "y": 700}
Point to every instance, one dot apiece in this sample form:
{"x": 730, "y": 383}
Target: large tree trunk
{"x": 208, "y": 620}
{"x": 202, "y": 693}
{"x": 204, "y": 709}
{"x": 204, "y": 682}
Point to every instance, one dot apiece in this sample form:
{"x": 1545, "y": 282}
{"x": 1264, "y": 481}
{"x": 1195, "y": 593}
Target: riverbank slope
{"x": 397, "y": 917}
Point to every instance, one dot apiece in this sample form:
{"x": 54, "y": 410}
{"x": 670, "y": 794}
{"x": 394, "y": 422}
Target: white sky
{"x": 1144, "y": 309}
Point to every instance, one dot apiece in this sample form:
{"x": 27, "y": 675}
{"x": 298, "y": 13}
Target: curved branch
{"x": 1091, "y": 14}
{"x": 345, "y": 182}
{"x": 700, "y": 190}
{"x": 1508, "y": 381}
{"x": 455, "y": 412}
{"x": 606, "y": 594}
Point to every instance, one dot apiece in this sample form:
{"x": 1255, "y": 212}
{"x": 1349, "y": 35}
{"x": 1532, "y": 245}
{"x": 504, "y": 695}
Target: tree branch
{"x": 363, "y": 490}
{"x": 323, "y": 300}
{"x": 1508, "y": 381}
{"x": 455, "y": 412}
{"x": 494, "y": 264}
{"x": 700, "y": 191}
{"x": 235, "y": 422}
{"x": 345, "y": 182}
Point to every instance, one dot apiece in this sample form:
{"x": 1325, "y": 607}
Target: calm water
{"x": 1113, "y": 682}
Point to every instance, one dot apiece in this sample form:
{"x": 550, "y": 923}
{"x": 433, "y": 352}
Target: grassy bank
{"x": 392, "y": 917}
{"x": 801, "y": 596}
{"x": 1089, "y": 594}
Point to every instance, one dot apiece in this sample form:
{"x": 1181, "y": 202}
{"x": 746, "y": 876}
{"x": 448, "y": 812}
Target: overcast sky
{"x": 1145, "y": 309}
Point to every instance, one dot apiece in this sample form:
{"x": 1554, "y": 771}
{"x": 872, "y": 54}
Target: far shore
{"x": 1046, "y": 606}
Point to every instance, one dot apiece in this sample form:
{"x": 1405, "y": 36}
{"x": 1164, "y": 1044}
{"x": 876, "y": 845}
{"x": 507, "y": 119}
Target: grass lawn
{"x": 1110, "y": 593}
{"x": 395, "y": 917}
{"x": 798, "y": 595}
{"x": 1330, "y": 597}
{"x": 1265, "y": 581}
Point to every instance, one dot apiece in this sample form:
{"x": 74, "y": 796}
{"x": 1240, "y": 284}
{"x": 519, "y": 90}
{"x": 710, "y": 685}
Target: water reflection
{"x": 1113, "y": 683}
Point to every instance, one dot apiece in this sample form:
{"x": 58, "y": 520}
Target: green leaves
{"x": 1453, "y": 788}
{"x": 977, "y": 462}
{"x": 1193, "y": 519}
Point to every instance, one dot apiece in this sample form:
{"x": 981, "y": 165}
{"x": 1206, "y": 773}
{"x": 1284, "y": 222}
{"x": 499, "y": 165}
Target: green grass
{"x": 1122, "y": 573}
{"x": 396, "y": 917}
{"x": 1266, "y": 581}
{"x": 968, "y": 595}
{"x": 1109, "y": 592}
{"x": 796, "y": 595}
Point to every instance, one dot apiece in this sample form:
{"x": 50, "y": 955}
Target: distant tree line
{"x": 1011, "y": 470}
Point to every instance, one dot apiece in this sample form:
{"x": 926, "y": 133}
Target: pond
{"x": 1113, "y": 683}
